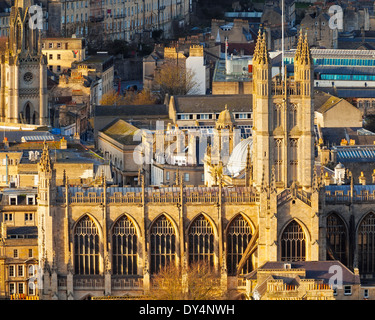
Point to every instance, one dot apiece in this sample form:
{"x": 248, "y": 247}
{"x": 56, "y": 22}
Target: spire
{"x": 45, "y": 163}
{"x": 23, "y": 3}
{"x": 305, "y": 52}
{"x": 299, "y": 47}
{"x": 261, "y": 55}
{"x": 257, "y": 45}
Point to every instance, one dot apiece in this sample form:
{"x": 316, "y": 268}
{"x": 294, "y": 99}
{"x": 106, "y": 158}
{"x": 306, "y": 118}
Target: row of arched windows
{"x": 201, "y": 244}
{"x": 163, "y": 243}
{"x": 338, "y": 242}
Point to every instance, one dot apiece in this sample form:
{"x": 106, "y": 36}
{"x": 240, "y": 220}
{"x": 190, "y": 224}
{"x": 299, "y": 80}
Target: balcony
{"x": 98, "y": 18}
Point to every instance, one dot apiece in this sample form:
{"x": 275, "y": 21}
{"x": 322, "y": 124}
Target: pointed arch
{"x": 293, "y": 242}
{"x": 201, "y": 240}
{"x": 27, "y": 113}
{"x": 366, "y": 244}
{"x": 238, "y": 234}
{"x": 162, "y": 243}
{"x": 336, "y": 238}
{"x": 124, "y": 246}
{"x": 134, "y": 222}
{"x": 86, "y": 246}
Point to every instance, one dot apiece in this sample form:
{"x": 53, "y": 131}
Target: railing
{"x": 127, "y": 283}
{"x": 91, "y": 198}
{"x": 241, "y": 197}
{"x": 287, "y": 194}
{"x": 125, "y": 199}
{"x": 88, "y": 283}
{"x": 292, "y": 89}
{"x": 347, "y": 198}
{"x": 163, "y": 198}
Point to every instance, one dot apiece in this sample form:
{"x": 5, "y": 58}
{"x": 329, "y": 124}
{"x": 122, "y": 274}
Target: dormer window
{"x": 13, "y": 200}
{"x": 30, "y": 200}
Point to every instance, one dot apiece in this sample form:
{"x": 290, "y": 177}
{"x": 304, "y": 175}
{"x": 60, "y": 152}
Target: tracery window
{"x": 86, "y": 247}
{"x": 366, "y": 244}
{"x": 278, "y": 160}
{"x": 238, "y": 237}
{"x": 293, "y": 159}
{"x": 292, "y": 115}
{"x": 162, "y": 244}
{"x": 336, "y": 239}
{"x": 278, "y": 115}
{"x": 124, "y": 247}
{"x": 293, "y": 243}
{"x": 201, "y": 241}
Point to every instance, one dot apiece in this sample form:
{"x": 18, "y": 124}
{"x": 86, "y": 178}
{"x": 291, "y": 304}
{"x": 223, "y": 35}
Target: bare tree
{"x": 196, "y": 282}
{"x": 143, "y": 97}
{"x": 173, "y": 78}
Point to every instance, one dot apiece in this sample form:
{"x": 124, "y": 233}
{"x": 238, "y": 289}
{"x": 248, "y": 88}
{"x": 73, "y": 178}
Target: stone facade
{"x": 101, "y": 240}
{"x": 23, "y": 93}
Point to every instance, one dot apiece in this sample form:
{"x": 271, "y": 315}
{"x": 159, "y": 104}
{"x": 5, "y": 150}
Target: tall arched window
{"x": 293, "y": 243}
{"x": 278, "y": 109}
{"x": 292, "y": 116}
{"x": 201, "y": 241}
{"x": 238, "y": 237}
{"x": 162, "y": 244}
{"x": 278, "y": 152}
{"x": 86, "y": 247}
{"x": 124, "y": 247}
{"x": 366, "y": 244}
{"x": 336, "y": 239}
{"x": 293, "y": 160}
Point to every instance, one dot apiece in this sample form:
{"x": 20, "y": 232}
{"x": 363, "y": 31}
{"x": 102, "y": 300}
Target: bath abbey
{"x": 274, "y": 212}
{"x": 268, "y": 216}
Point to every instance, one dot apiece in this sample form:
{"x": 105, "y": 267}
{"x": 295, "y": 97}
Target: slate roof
{"x": 235, "y": 102}
{"x": 121, "y": 131}
{"x": 29, "y": 232}
{"x": 319, "y": 270}
{"x": 333, "y": 136}
{"x": 16, "y": 136}
{"x": 213, "y": 103}
{"x": 132, "y": 110}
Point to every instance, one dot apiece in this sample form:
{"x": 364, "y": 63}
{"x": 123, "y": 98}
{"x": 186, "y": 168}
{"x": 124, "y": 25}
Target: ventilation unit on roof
{"x": 287, "y": 266}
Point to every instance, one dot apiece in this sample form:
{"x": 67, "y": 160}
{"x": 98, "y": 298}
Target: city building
{"x": 304, "y": 280}
{"x": 101, "y": 66}
{"x": 62, "y": 52}
{"x": 121, "y": 20}
{"x": 286, "y": 214}
{"x": 193, "y": 61}
{"x": 23, "y": 92}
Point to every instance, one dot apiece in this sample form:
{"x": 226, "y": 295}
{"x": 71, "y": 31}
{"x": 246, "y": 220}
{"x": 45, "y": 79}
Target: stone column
{"x": 54, "y": 286}
{"x": 107, "y": 283}
{"x": 69, "y": 286}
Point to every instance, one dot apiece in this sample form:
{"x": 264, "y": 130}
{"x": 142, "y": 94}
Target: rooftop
{"x": 314, "y": 270}
{"x": 220, "y": 74}
{"x": 213, "y": 103}
{"x": 121, "y": 131}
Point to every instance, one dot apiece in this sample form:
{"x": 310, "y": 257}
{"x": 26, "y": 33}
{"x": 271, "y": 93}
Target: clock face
{"x": 28, "y": 77}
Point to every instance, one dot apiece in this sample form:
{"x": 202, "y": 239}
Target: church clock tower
{"x": 23, "y": 76}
